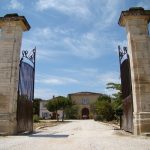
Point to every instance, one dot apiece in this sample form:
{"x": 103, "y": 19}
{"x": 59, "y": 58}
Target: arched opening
{"x": 85, "y": 113}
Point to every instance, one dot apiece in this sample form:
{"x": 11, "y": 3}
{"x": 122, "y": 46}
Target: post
{"x": 11, "y": 26}
{"x": 136, "y": 20}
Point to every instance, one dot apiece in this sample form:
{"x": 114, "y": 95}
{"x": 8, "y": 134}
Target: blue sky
{"x": 76, "y": 42}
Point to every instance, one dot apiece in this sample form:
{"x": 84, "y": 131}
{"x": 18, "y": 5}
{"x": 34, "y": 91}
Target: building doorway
{"x": 85, "y": 113}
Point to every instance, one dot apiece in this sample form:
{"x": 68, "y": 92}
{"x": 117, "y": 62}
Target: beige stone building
{"x": 83, "y": 100}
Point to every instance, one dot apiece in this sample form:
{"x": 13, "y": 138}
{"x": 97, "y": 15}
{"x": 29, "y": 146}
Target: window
{"x": 44, "y": 105}
{"x": 44, "y": 114}
{"x": 84, "y": 101}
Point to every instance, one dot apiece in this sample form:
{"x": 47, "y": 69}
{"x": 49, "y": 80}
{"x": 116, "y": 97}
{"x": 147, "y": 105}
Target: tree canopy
{"x": 36, "y": 106}
{"x": 116, "y": 99}
{"x": 58, "y": 103}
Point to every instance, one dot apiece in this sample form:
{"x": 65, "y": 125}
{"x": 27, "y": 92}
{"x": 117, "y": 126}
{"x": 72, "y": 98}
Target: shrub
{"x": 72, "y": 112}
{"x": 36, "y": 118}
{"x": 103, "y": 111}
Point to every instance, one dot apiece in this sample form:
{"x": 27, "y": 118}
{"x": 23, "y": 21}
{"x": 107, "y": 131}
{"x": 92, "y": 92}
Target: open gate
{"x": 127, "y": 118}
{"x": 26, "y": 92}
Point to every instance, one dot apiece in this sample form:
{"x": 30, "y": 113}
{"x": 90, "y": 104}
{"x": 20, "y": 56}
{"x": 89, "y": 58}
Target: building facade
{"x": 45, "y": 114}
{"x": 84, "y": 100}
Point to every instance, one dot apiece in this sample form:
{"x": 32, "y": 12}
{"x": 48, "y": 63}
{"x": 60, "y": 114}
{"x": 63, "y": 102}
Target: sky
{"x": 76, "y": 40}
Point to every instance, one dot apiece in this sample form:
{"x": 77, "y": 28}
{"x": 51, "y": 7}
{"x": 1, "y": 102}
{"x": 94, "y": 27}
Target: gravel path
{"x": 76, "y": 135}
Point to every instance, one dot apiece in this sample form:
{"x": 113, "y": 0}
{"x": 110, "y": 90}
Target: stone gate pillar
{"x": 11, "y": 28}
{"x": 136, "y": 20}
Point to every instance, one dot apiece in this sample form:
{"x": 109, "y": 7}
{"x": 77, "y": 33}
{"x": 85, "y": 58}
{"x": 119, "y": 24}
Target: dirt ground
{"x": 46, "y": 123}
{"x": 76, "y": 135}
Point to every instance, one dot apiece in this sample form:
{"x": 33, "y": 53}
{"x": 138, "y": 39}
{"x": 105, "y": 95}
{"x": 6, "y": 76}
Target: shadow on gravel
{"x": 49, "y": 135}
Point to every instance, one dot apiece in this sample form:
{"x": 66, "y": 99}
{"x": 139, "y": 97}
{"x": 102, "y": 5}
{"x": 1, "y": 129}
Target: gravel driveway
{"x": 76, "y": 135}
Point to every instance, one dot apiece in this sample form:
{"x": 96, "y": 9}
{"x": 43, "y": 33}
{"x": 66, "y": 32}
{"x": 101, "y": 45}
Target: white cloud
{"x": 68, "y": 7}
{"x": 88, "y": 79}
{"x": 55, "y": 42}
{"x": 15, "y": 4}
{"x": 145, "y": 4}
{"x": 45, "y": 93}
{"x": 101, "y": 16}
{"x": 89, "y": 45}
{"x": 106, "y": 14}
{"x": 107, "y": 77}
{"x": 56, "y": 80}
{"x": 82, "y": 72}
{"x": 46, "y": 40}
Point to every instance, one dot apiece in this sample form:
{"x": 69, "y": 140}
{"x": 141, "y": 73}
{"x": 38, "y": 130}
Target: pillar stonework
{"x": 136, "y": 20}
{"x": 11, "y": 28}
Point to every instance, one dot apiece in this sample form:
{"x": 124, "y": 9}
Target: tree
{"x": 52, "y": 106}
{"x": 104, "y": 97}
{"x": 58, "y": 103}
{"x": 63, "y": 103}
{"x": 72, "y": 112}
{"x": 36, "y": 106}
{"x": 117, "y": 88}
{"x": 103, "y": 109}
{"x": 116, "y": 99}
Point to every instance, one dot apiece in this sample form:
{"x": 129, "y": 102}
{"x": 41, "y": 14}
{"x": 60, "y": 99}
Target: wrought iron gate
{"x": 26, "y": 92}
{"x": 127, "y": 118}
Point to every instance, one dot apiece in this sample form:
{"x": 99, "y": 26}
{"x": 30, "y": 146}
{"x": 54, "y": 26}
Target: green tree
{"x": 116, "y": 99}
{"x": 72, "y": 112}
{"x": 58, "y": 103}
{"x": 36, "y": 106}
{"x": 102, "y": 108}
{"x": 104, "y": 97}
{"x": 63, "y": 103}
{"x": 52, "y": 106}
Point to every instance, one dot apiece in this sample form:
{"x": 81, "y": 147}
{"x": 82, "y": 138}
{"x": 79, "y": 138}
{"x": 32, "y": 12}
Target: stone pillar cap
{"x": 15, "y": 17}
{"x": 136, "y": 12}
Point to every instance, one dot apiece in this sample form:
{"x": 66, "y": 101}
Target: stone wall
{"x": 11, "y": 27}
{"x": 136, "y": 23}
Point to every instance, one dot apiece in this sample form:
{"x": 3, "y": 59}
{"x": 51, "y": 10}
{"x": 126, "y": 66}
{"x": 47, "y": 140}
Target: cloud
{"x": 82, "y": 72}
{"x": 94, "y": 76}
{"x": 53, "y": 43}
{"x": 100, "y": 16}
{"x": 87, "y": 79}
{"x": 145, "y": 4}
{"x": 68, "y": 7}
{"x": 105, "y": 15}
{"x": 107, "y": 77}
{"x": 89, "y": 45}
{"x": 15, "y": 4}
{"x": 45, "y": 93}
{"x": 56, "y": 80}
{"x": 46, "y": 40}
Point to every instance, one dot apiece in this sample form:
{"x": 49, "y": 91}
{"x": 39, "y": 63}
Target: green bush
{"x": 98, "y": 118}
{"x": 36, "y": 118}
{"x": 72, "y": 112}
{"x": 103, "y": 111}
